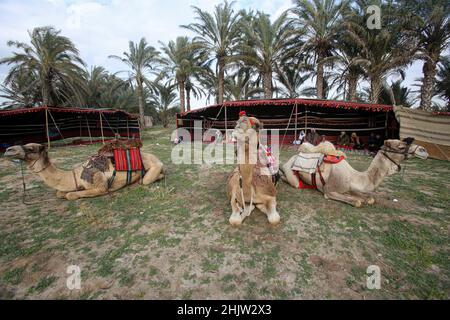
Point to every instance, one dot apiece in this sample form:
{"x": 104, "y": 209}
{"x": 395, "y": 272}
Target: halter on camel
{"x": 386, "y": 150}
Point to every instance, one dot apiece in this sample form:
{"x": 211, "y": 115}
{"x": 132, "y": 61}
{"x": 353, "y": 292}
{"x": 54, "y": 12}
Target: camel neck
{"x": 53, "y": 177}
{"x": 379, "y": 168}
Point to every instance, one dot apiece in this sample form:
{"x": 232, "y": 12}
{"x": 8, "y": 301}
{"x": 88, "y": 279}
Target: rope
{"x": 287, "y": 127}
{"x": 57, "y": 128}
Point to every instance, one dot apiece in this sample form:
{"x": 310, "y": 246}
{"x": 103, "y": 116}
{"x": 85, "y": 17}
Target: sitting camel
{"x": 72, "y": 184}
{"x": 250, "y": 184}
{"x": 343, "y": 183}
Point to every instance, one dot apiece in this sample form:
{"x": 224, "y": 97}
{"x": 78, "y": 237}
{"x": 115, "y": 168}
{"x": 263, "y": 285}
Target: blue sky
{"x": 101, "y": 28}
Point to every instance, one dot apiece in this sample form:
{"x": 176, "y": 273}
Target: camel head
{"x": 246, "y": 126}
{"x": 405, "y": 147}
{"x": 27, "y": 152}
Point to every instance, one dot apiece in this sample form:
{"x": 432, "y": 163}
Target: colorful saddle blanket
{"x": 332, "y": 159}
{"x": 128, "y": 159}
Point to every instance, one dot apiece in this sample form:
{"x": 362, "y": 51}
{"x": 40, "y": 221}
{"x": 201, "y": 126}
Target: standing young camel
{"x": 250, "y": 184}
{"x": 343, "y": 183}
{"x": 70, "y": 184}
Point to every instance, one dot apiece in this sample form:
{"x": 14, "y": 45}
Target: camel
{"x": 249, "y": 186}
{"x": 70, "y": 184}
{"x": 345, "y": 184}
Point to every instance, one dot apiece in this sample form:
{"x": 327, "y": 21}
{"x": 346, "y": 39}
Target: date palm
{"x": 184, "y": 59}
{"x": 322, "y": 21}
{"x": 241, "y": 86}
{"x": 431, "y": 22}
{"x": 163, "y": 99}
{"x": 219, "y": 35}
{"x": 50, "y": 56}
{"x": 443, "y": 79}
{"x": 268, "y": 43}
{"x": 143, "y": 60}
{"x": 382, "y": 52}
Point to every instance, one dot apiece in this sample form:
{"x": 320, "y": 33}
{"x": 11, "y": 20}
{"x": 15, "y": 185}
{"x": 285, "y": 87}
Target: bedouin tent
{"x": 46, "y": 124}
{"x": 290, "y": 116}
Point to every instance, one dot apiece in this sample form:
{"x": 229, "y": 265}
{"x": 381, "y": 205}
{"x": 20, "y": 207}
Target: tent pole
{"x": 46, "y": 127}
{"x": 226, "y": 124}
{"x": 128, "y": 130}
{"x": 296, "y": 112}
{"x": 306, "y": 118}
{"x": 101, "y": 127}
{"x": 89, "y": 129}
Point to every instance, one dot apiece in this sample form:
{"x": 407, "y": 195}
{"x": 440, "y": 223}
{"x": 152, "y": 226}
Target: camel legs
{"x": 61, "y": 194}
{"x": 86, "y": 194}
{"x": 235, "y": 218}
{"x": 270, "y": 209}
{"x": 352, "y": 200}
{"x": 289, "y": 175}
{"x": 367, "y": 198}
{"x": 153, "y": 174}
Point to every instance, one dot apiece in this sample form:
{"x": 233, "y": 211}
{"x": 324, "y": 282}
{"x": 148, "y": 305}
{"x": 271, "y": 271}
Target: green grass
{"x": 172, "y": 239}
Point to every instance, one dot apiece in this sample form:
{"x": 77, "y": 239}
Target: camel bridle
{"x": 386, "y": 150}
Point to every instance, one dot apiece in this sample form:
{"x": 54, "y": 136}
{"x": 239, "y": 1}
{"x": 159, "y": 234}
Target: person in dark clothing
{"x": 343, "y": 140}
{"x": 313, "y": 137}
{"x": 372, "y": 143}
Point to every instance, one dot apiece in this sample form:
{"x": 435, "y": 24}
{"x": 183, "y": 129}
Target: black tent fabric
{"x": 46, "y": 124}
{"x": 290, "y": 116}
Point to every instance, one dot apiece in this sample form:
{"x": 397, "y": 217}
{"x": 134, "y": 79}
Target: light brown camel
{"x": 343, "y": 183}
{"x": 69, "y": 184}
{"x": 250, "y": 185}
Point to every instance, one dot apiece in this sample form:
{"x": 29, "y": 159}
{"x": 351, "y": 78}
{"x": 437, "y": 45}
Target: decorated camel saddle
{"x": 122, "y": 155}
{"x": 310, "y": 162}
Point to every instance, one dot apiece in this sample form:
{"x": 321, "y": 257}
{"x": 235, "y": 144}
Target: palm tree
{"x": 431, "y": 23}
{"x": 396, "y": 94}
{"x": 383, "y": 52}
{"x": 163, "y": 100}
{"x": 268, "y": 44}
{"x": 443, "y": 80}
{"x": 22, "y": 91}
{"x": 218, "y": 34}
{"x": 291, "y": 76}
{"x": 322, "y": 21}
{"x": 52, "y": 58}
{"x": 184, "y": 59}
{"x": 142, "y": 59}
{"x": 241, "y": 86}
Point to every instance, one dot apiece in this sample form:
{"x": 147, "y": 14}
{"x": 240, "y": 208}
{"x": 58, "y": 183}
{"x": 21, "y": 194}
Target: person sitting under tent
{"x": 343, "y": 140}
{"x": 313, "y": 137}
{"x": 301, "y": 138}
{"x": 372, "y": 143}
{"x": 355, "y": 142}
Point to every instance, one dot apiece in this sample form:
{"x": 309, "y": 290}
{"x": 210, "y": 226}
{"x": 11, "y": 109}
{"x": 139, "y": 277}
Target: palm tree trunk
{"x": 427, "y": 89}
{"x": 182, "y": 96}
{"x": 319, "y": 78}
{"x": 140, "y": 95}
{"x": 45, "y": 93}
{"x": 375, "y": 89}
{"x": 267, "y": 79}
{"x": 352, "y": 85}
{"x": 188, "y": 98}
{"x": 221, "y": 80}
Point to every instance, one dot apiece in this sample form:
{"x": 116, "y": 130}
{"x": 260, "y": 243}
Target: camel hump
{"x": 325, "y": 147}
{"x": 109, "y": 147}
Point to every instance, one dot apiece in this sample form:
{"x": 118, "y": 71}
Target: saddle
{"x": 310, "y": 163}
{"x": 124, "y": 156}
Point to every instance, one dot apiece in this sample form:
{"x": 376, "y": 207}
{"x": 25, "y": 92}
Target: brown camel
{"x": 70, "y": 184}
{"x": 250, "y": 185}
{"x": 343, "y": 183}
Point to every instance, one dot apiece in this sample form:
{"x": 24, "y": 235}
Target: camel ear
{"x": 408, "y": 140}
{"x": 42, "y": 148}
{"x": 388, "y": 143}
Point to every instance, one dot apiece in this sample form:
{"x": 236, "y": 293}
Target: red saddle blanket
{"x": 128, "y": 159}
{"x": 332, "y": 159}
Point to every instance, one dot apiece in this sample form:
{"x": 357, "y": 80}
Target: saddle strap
{"x": 313, "y": 178}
